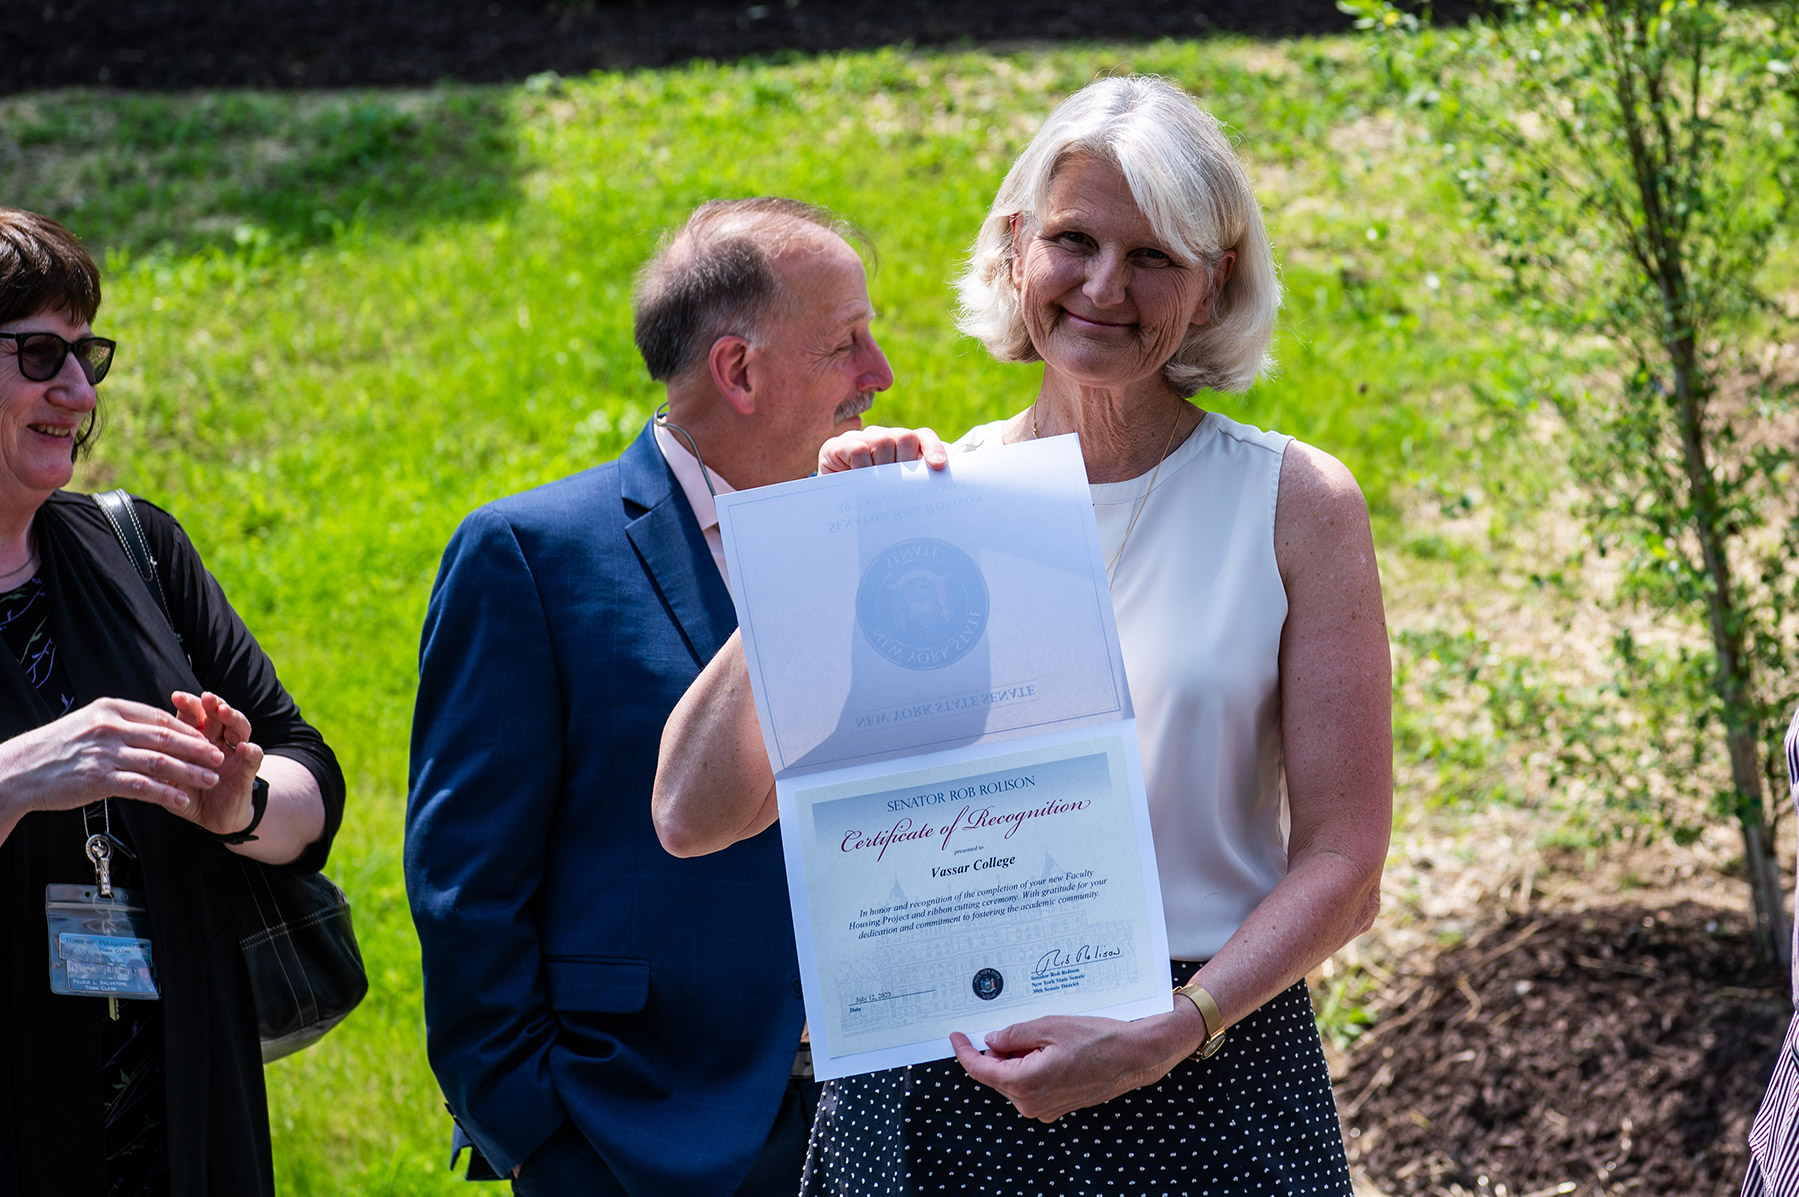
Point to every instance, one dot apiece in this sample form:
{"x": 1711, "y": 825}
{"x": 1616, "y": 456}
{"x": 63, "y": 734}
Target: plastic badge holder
{"x": 99, "y": 946}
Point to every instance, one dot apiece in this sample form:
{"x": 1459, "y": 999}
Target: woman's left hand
{"x": 225, "y": 809}
{"x": 1050, "y": 1066}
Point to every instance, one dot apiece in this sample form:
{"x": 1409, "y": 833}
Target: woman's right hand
{"x": 108, "y": 748}
{"x": 876, "y": 445}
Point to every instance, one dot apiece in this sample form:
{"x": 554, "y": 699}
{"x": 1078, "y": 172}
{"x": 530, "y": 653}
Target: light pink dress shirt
{"x": 692, "y": 477}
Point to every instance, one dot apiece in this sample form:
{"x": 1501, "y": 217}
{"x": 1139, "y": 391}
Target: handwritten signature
{"x": 1087, "y": 953}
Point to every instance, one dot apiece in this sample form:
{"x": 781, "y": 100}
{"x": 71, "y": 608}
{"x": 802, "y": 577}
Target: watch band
{"x": 1209, "y": 1015}
{"x": 259, "y": 805}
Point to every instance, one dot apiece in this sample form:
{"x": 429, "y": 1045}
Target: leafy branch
{"x": 1634, "y": 166}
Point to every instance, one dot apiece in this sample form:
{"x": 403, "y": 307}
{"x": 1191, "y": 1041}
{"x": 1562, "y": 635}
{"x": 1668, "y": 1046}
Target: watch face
{"x": 1214, "y": 1039}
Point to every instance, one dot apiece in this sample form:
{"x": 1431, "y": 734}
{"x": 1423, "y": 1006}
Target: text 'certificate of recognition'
{"x": 941, "y": 694}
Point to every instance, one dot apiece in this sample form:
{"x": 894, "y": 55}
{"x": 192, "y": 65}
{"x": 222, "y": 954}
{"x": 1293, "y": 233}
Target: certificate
{"x": 941, "y": 694}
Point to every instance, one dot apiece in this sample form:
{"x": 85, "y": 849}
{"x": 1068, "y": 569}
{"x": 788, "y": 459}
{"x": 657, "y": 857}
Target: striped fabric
{"x": 1774, "y": 1139}
{"x": 1793, "y": 754}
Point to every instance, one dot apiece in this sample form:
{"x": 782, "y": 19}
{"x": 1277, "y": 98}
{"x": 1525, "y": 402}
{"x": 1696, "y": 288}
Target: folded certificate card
{"x": 897, "y": 610}
{"x": 937, "y": 674}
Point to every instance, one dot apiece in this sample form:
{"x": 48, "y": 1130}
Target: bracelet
{"x": 1208, "y": 1015}
{"x": 259, "y": 804}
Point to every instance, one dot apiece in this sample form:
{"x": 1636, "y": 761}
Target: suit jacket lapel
{"x": 667, "y": 538}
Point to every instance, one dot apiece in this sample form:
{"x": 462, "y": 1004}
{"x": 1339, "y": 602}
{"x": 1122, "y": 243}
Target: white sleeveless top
{"x": 1200, "y": 609}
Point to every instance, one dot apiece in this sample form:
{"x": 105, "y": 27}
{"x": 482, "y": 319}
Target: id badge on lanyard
{"x": 99, "y": 936}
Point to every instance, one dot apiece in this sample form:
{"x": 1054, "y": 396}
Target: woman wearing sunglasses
{"x": 140, "y": 756}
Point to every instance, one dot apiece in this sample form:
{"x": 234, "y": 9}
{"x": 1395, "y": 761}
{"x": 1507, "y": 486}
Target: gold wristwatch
{"x": 1209, "y": 1015}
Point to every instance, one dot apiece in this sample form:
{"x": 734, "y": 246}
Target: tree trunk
{"x": 1731, "y": 678}
{"x": 1759, "y": 862}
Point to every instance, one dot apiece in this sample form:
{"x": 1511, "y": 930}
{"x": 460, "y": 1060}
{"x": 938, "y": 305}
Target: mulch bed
{"x": 1606, "y": 1051}
{"x": 183, "y": 44}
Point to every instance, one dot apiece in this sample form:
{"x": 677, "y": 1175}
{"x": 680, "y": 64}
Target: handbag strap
{"x": 121, "y": 513}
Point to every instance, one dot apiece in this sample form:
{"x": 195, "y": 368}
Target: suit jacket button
{"x": 797, "y": 991}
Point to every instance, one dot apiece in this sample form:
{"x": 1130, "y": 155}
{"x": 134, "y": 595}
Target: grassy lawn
{"x": 347, "y": 319}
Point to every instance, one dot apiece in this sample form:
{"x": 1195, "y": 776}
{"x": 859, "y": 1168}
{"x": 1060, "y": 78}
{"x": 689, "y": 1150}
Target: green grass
{"x": 346, "y": 320}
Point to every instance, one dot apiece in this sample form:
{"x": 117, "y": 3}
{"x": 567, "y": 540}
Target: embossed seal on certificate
{"x": 988, "y": 984}
{"x": 922, "y": 604}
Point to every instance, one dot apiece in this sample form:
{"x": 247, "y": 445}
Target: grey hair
{"x": 714, "y": 276}
{"x": 1185, "y": 177}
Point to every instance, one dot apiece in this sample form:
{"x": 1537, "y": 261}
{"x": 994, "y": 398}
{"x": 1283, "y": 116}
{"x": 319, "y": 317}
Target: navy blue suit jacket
{"x": 574, "y": 969}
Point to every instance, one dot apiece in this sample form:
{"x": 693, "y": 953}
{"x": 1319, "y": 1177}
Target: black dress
{"x": 112, "y": 641}
{"x": 1257, "y": 1117}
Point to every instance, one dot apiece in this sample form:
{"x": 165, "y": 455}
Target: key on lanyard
{"x": 99, "y": 850}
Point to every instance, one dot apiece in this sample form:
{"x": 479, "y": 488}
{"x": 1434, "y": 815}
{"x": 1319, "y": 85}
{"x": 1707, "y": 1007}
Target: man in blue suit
{"x": 605, "y": 1018}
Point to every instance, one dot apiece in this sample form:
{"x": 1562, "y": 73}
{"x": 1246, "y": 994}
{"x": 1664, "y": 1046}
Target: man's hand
{"x": 881, "y": 446}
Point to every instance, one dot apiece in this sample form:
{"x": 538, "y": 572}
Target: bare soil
{"x": 1617, "y": 1049}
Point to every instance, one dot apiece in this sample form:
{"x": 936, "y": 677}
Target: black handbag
{"x": 299, "y": 949}
{"x": 300, "y": 953}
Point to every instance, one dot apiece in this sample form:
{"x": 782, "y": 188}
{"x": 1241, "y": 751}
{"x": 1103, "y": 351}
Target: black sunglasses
{"x": 41, "y": 355}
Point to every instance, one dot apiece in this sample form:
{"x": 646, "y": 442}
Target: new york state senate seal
{"x": 922, "y": 604}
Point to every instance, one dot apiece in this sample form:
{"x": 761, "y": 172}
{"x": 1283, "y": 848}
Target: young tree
{"x": 1634, "y": 164}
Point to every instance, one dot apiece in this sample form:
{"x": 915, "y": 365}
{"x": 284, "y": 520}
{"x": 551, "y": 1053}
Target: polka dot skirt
{"x": 1258, "y": 1117}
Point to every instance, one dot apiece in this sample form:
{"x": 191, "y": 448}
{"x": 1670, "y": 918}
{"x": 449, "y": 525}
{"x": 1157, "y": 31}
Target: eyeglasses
{"x": 41, "y": 355}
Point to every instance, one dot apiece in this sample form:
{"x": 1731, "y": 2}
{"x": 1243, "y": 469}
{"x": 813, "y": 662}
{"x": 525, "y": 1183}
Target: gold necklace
{"x": 1153, "y": 474}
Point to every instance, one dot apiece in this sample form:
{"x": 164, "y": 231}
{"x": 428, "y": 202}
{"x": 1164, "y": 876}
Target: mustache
{"x": 854, "y": 406}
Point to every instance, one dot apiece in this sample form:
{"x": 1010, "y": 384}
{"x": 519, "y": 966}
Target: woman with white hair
{"x": 1125, "y": 250}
